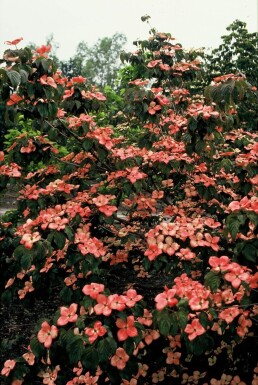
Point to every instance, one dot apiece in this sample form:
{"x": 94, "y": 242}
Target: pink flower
{"x": 29, "y": 357}
{"x": 211, "y": 241}
{"x": 49, "y": 376}
{"x": 219, "y": 263}
{"x": 229, "y": 314}
{"x": 93, "y": 289}
{"x": 14, "y": 42}
{"x": 131, "y": 297}
{"x": 28, "y": 239}
{"x": 8, "y": 366}
{"x": 194, "y": 329}
{"x": 98, "y": 330}
{"x": 117, "y": 302}
{"x": 236, "y": 275}
{"x": 146, "y": 319}
{"x": 103, "y": 306}
{"x": 14, "y": 99}
{"x": 47, "y": 333}
{"x": 119, "y": 359}
{"x": 127, "y": 328}
{"x": 167, "y": 298}
{"x": 67, "y": 314}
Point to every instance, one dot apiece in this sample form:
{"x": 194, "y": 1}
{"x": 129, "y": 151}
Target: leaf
{"x": 59, "y": 239}
{"x": 90, "y": 358}
{"x": 52, "y": 110}
{"x": 45, "y": 64}
{"x": 3, "y": 74}
{"x": 102, "y": 153}
{"x": 75, "y": 350}
{"x": 15, "y": 78}
{"x": 66, "y": 294}
{"x": 24, "y": 76}
{"x": 182, "y": 317}
{"x": 232, "y": 225}
{"x": 87, "y": 144}
{"x": 212, "y": 280}
{"x": 40, "y": 250}
{"x": 164, "y": 325}
{"x": 129, "y": 346}
{"x": 192, "y": 126}
{"x": 36, "y": 347}
{"x": 250, "y": 252}
{"x": 19, "y": 252}
{"x": 203, "y": 318}
{"x": 200, "y": 146}
{"x": 201, "y": 344}
{"x": 42, "y": 109}
{"x": 106, "y": 348}
{"x": 69, "y": 232}
{"x": 26, "y": 261}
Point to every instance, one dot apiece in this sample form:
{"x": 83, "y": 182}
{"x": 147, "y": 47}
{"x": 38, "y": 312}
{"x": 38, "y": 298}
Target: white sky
{"x": 194, "y": 23}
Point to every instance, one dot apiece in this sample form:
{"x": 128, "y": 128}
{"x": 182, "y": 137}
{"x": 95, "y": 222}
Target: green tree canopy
{"x": 238, "y": 55}
{"x": 98, "y": 63}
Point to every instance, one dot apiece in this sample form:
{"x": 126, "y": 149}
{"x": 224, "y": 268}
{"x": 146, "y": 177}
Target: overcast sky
{"x": 194, "y": 23}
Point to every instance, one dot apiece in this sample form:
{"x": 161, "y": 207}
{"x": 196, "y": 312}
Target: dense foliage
{"x": 151, "y": 246}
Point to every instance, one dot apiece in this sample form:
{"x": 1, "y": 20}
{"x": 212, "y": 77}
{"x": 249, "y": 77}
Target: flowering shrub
{"x": 152, "y": 247}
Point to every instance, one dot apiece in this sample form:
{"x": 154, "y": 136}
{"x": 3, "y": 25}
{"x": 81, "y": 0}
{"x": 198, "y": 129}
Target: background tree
{"x": 238, "y": 54}
{"x": 98, "y": 63}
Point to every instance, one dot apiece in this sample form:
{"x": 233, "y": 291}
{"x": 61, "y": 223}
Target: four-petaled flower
{"x": 120, "y": 359}
{"x": 98, "y": 330}
{"x": 47, "y": 333}
{"x": 126, "y": 328}
{"x": 167, "y": 298}
{"x": 194, "y": 329}
{"x": 8, "y": 366}
{"x": 67, "y": 314}
{"x": 93, "y": 289}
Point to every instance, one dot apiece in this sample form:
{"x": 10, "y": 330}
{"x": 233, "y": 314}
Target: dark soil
{"x": 17, "y": 325}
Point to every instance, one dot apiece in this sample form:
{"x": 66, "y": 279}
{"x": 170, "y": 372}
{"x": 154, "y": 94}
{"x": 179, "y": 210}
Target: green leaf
{"x": 59, "y": 239}
{"x": 250, "y": 252}
{"x": 201, "y": 344}
{"x": 87, "y": 144}
{"x": 212, "y": 280}
{"x": 36, "y": 347}
{"x": 192, "y": 125}
{"x": 66, "y": 294}
{"x": 75, "y": 350}
{"x": 24, "y": 76}
{"x": 200, "y": 146}
{"x": 182, "y": 317}
{"x": 6, "y": 297}
{"x": 203, "y": 318}
{"x": 102, "y": 153}
{"x": 164, "y": 326}
{"x": 90, "y": 358}
{"x": 3, "y": 74}
{"x": 19, "y": 252}
{"x": 42, "y": 109}
{"x": 45, "y": 64}
{"x": 40, "y": 250}
{"x": 232, "y": 225}
{"x": 15, "y": 78}
{"x": 26, "y": 260}
{"x": 129, "y": 346}
{"x": 52, "y": 110}
{"x": 106, "y": 348}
